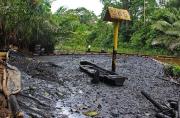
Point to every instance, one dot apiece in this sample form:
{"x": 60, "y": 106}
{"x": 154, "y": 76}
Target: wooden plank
{"x": 120, "y": 14}
{"x": 114, "y": 14}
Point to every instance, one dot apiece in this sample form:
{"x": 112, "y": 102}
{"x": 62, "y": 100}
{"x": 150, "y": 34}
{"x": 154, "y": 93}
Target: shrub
{"x": 176, "y": 71}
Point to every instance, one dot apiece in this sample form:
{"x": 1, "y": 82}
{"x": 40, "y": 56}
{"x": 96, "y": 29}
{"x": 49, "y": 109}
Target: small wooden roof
{"x": 114, "y": 15}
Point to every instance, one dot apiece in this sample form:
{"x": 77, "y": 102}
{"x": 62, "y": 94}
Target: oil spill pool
{"x": 170, "y": 60}
{"x": 67, "y": 111}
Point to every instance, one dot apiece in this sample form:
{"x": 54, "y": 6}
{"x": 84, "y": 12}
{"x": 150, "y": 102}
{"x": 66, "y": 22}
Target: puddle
{"x": 67, "y": 111}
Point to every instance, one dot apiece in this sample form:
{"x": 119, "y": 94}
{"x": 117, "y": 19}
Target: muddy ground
{"x": 54, "y": 87}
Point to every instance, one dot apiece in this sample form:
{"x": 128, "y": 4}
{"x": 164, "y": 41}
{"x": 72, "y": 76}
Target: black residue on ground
{"x": 53, "y": 86}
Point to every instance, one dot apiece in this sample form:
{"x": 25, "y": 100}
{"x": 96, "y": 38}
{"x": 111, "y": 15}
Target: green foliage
{"x": 157, "y": 35}
{"x": 27, "y": 23}
{"x": 172, "y": 70}
{"x": 168, "y": 30}
{"x": 143, "y": 37}
{"x": 102, "y": 35}
{"x": 75, "y": 27}
{"x": 176, "y": 70}
{"x": 174, "y": 3}
{"x": 161, "y": 28}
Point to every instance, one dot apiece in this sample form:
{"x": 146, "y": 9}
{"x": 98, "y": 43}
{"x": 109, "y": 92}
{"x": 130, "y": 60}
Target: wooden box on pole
{"x": 116, "y": 16}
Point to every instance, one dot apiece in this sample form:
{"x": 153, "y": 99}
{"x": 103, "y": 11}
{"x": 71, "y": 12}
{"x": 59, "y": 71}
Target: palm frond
{"x": 175, "y": 45}
{"x": 173, "y": 32}
{"x": 177, "y": 24}
{"x": 161, "y": 25}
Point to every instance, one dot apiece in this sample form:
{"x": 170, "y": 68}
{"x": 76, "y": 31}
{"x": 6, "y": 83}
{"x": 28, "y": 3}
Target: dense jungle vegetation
{"x": 154, "y": 29}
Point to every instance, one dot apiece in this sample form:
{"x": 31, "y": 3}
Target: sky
{"x": 92, "y": 5}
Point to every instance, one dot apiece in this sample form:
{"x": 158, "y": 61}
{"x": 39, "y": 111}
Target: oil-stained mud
{"x": 53, "y": 86}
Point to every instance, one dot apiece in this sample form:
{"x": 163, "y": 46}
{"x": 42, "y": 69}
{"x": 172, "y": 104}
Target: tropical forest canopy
{"x": 155, "y": 26}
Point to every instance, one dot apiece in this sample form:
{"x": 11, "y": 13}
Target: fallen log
{"x": 148, "y": 97}
{"x": 164, "y": 110}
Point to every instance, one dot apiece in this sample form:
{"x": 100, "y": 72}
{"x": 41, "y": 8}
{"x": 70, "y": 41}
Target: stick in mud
{"x": 166, "y": 111}
{"x": 157, "y": 105}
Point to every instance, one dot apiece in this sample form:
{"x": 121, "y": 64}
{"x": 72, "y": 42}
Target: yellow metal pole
{"x": 116, "y": 30}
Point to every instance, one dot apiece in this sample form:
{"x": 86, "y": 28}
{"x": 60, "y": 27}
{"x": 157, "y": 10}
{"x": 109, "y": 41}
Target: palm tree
{"x": 168, "y": 29}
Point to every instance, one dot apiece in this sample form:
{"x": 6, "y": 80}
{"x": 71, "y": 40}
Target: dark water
{"x": 170, "y": 60}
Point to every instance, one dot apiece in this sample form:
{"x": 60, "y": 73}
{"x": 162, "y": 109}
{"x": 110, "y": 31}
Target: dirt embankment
{"x": 54, "y": 87}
